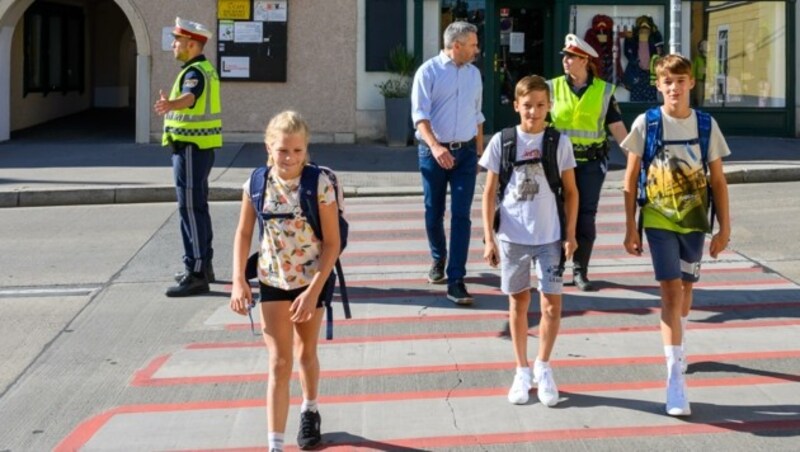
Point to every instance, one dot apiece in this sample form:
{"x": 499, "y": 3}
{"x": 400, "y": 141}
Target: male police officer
{"x": 193, "y": 129}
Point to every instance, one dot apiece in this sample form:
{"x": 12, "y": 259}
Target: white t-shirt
{"x": 676, "y": 183}
{"x": 528, "y": 215}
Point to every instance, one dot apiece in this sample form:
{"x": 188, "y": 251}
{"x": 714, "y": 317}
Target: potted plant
{"x": 396, "y": 91}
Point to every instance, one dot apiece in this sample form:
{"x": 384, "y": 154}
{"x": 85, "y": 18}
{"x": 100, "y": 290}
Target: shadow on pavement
{"x": 760, "y": 420}
{"x": 338, "y": 439}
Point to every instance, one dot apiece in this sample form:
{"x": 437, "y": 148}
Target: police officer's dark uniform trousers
{"x": 193, "y": 134}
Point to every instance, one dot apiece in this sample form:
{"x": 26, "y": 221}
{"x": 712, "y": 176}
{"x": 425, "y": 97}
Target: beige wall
{"x": 321, "y": 78}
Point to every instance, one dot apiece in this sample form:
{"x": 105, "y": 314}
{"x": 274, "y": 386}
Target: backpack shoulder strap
{"x": 654, "y": 136}
{"x": 703, "y": 134}
{"x": 309, "y": 183}
{"x": 652, "y": 142}
{"x": 258, "y": 183}
{"x": 550, "y": 159}
{"x": 508, "y": 140}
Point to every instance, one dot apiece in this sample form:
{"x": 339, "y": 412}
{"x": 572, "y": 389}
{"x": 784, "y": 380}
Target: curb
{"x": 233, "y": 192}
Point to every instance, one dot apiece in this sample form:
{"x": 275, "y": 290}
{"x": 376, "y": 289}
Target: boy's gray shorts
{"x": 515, "y": 267}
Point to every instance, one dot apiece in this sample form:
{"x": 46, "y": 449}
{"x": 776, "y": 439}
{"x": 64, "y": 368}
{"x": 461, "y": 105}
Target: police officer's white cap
{"x": 577, "y": 46}
{"x": 191, "y": 30}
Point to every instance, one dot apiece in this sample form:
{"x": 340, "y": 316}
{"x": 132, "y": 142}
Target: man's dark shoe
{"x": 210, "y": 276}
{"x": 309, "y": 435}
{"x": 583, "y": 283}
{"x": 457, "y": 293}
{"x": 190, "y": 284}
{"x": 436, "y": 273}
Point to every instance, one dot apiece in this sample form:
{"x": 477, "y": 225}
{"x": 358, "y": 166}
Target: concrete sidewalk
{"x": 45, "y": 173}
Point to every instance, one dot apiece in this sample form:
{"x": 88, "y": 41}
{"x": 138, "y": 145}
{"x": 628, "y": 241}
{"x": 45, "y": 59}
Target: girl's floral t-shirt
{"x": 289, "y": 254}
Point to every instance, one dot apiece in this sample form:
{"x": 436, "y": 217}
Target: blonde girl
{"x": 293, "y": 271}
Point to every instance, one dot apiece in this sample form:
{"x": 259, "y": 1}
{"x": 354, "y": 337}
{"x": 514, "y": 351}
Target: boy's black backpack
{"x": 654, "y": 141}
{"x": 549, "y": 162}
{"x": 309, "y": 182}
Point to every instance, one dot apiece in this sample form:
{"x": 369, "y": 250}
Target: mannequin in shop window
{"x": 642, "y": 48}
{"x": 600, "y": 37}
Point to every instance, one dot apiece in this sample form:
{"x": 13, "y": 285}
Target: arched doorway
{"x": 106, "y": 83}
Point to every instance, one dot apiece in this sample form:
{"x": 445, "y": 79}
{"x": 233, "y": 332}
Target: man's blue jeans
{"x": 461, "y": 179}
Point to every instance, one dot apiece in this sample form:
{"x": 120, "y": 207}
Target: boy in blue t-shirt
{"x": 530, "y": 230}
{"x": 675, "y": 215}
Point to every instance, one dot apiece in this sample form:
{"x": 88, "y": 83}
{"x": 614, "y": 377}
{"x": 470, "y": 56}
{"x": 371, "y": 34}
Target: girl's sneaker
{"x": 309, "y": 435}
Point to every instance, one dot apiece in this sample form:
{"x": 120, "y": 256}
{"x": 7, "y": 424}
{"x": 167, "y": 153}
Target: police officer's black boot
{"x": 210, "y": 276}
{"x": 580, "y": 266}
{"x": 190, "y": 284}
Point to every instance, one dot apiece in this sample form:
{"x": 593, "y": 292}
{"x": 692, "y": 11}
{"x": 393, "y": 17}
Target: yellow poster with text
{"x": 233, "y": 9}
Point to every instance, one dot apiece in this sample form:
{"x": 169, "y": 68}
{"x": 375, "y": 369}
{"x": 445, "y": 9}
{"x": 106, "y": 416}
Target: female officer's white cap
{"x": 191, "y": 30}
{"x": 577, "y": 46}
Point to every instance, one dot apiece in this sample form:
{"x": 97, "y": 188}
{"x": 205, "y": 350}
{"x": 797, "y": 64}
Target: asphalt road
{"x": 82, "y": 313}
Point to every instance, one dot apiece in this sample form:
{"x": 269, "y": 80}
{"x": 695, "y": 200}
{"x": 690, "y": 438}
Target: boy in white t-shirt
{"x": 530, "y": 230}
{"x": 675, "y": 212}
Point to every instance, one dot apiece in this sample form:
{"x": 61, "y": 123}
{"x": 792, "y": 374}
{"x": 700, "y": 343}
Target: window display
{"x": 739, "y": 50}
{"x": 628, "y": 40}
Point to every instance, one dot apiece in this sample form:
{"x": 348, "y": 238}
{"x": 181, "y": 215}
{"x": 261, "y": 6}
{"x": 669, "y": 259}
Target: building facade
{"x": 325, "y": 58}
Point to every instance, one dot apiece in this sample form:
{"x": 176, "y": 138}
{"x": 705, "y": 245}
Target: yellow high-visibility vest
{"x": 582, "y": 119}
{"x": 202, "y": 123}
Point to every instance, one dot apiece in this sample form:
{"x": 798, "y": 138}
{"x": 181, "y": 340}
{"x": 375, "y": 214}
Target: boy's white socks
{"x": 275, "y": 441}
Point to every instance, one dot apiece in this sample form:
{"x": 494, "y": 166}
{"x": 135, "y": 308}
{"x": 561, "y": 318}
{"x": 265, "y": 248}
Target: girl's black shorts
{"x": 269, "y": 293}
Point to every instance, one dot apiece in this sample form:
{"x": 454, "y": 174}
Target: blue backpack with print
{"x": 309, "y": 204}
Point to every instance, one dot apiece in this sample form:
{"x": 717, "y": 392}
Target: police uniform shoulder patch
{"x": 190, "y": 83}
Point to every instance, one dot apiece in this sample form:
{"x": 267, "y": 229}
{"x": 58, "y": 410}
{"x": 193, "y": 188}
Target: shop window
{"x": 739, "y": 54}
{"x": 385, "y": 31}
{"x": 628, "y": 39}
{"x": 472, "y": 11}
{"x": 54, "y": 49}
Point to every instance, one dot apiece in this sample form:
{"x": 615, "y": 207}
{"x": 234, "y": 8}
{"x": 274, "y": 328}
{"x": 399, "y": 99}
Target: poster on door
{"x": 252, "y": 40}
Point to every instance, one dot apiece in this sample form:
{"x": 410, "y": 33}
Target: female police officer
{"x": 583, "y": 105}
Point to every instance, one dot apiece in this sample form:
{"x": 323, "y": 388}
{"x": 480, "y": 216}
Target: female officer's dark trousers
{"x": 191, "y": 167}
{"x": 589, "y": 177}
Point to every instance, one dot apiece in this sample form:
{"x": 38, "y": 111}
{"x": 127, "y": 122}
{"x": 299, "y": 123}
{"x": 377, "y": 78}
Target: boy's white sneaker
{"x": 677, "y": 398}
{"x": 518, "y": 394}
{"x": 546, "y": 387}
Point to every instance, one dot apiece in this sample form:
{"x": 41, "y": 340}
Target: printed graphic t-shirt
{"x": 528, "y": 215}
{"x": 289, "y": 250}
{"x": 676, "y": 184}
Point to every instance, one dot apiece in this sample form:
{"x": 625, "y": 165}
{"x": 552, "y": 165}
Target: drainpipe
{"x": 674, "y": 26}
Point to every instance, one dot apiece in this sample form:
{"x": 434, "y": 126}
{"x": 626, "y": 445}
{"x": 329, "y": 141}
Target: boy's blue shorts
{"x": 675, "y": 256}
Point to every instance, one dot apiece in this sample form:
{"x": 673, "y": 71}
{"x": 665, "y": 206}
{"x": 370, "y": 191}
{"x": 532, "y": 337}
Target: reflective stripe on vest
{"x": 582, "y": 119}
{"x": 201, "y": 124}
